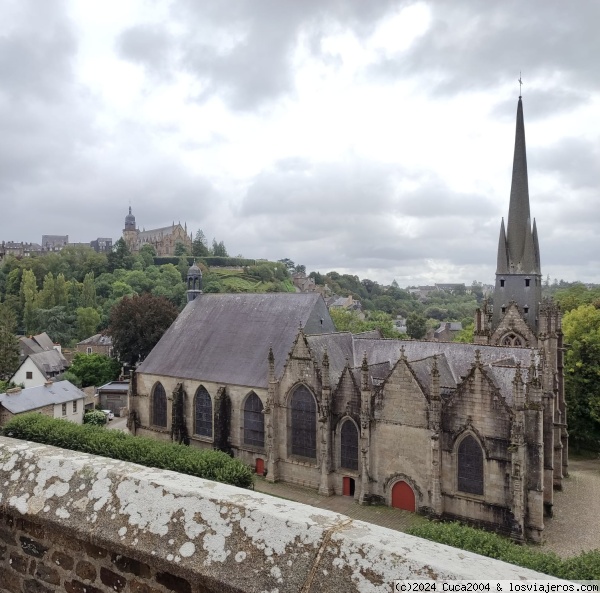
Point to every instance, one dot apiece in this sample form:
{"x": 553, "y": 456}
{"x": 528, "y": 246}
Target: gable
{"x": 513, "y": 322}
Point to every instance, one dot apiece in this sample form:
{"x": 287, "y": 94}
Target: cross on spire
{"x": 520, "y": 84}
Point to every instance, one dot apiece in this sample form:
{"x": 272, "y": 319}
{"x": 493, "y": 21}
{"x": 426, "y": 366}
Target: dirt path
{"x": 575, "y": 526}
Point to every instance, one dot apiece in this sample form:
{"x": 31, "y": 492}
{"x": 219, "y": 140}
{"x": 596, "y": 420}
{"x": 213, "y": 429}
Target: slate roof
{"x": 34, "y": 344}
{"x": 97, "y": 340}
{"x": 48, "y": 362}
{"x": 115, "y": 386}
{"x": 38, "y": 397}
{"x": 225, "y": 338}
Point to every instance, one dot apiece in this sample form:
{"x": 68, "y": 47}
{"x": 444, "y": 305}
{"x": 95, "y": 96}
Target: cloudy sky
{"x": 371, "y": 137}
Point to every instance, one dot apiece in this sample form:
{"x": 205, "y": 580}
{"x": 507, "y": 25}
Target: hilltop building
{"x": 475, "y": 432}
{"x": 164, "y": 240}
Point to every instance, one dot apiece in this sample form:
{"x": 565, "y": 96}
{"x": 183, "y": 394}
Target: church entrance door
{"x": 348, "y": 486}
{"x": 403, "y": 497}
{"x": 260, "y": 466}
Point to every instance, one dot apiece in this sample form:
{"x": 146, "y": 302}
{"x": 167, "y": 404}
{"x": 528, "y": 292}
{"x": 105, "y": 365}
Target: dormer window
{"x": 527, "y": 281}
{"x": 502, "y": 283}
{"x": 503, "y": 308}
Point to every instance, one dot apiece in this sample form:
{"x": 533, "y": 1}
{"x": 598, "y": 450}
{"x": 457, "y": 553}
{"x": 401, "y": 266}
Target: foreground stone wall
{"x": 84, "y": 524}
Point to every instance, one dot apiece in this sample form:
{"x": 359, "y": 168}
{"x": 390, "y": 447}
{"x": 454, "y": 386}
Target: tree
{"x": 88, "y": 294}
{"x": 199, "y": 246}
{"x": 29, "y": 300}
{"x": 120, "y": 257}
{"x": 218, "y": 249}
{"x": 137, "y": 323}
{"x": 288, "y": 263}
{"x": 147, "y": 254}
{"x": 95, "y": 369}
{"x": 88, "y": 320}
{"x": 9, "y": 344}
{"x": 57, "y": 323}
{"x": 180, "y": 249}
{"x": 582, "y": 376}
{"x": 46, "y": 296}
{"x": 300, "y": 269}
{"x": 61, "y": 290}
{"x": 416, "y": 326}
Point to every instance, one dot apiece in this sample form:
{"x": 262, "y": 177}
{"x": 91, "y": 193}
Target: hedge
{"x": 585, "y": 566}
{"x": 217, "y": 261}
{"x": 207, "y": 464}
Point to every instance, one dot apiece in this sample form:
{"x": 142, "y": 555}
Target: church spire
{"x": 518, "y": 212}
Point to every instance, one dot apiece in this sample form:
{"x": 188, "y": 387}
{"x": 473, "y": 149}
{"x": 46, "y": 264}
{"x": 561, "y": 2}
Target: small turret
{"x": 194, "y": 282}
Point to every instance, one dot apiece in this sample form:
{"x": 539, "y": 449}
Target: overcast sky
{"x": 370, "y": 137}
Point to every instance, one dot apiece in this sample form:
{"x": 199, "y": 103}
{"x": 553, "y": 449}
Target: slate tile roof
{"x": 225, "y": 338}
{"x": 33, "y": 398}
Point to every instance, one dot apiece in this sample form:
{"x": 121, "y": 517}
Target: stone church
{"x": 475, "y": 432}
{"x": 164, "y": 240}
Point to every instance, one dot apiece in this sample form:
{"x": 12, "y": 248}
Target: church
{"x": 474, "y": 432}
{"x": 164, "y": 240}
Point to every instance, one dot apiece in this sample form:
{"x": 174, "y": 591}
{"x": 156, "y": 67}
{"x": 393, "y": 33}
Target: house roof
{"x": 96, "y": 340}
{"x": 33, "y": 398}
{"x": 48, "y": 362}
{"x": 115, "y": 386}
{"x": 225, "y": 338}
{"x": 34, "y": 344}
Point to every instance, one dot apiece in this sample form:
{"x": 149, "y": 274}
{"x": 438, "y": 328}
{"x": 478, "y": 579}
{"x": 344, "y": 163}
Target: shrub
{"x": 95, "y": 418}
{"x": 585, "y": 566}
{"x": 210, "y": 465}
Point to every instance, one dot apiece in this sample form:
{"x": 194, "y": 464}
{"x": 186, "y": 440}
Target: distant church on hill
{"x": 475, "y": 432}
{"x": 163, "y": 240}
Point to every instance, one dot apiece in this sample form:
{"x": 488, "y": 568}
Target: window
{"x": 470, "y": 466}
{"x": 525, "y": 310}
{"x": 527, "y": 281}
{"x": 254, "y": 422}
{"x": 203, "y": 425}
{"x": 75, "y": 407}
{"x": 29, "y": 375}
{"x": 89, "y": 349}
{"x": 64, "y": 409}
{"x": 349, "y": 445}
{"x": 159, "y": 406}
{"x": 304, "y": 423}
{"x": 502, "y": 283}
{"x": 511, "y": 340}
{"x": 503, "y": 309}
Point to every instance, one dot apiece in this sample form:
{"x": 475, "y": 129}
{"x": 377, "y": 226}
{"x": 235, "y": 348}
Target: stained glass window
{"x": 349, "y": 445}
{"x": 304, "y": 423}
{"x": 254, "y": 421}
{"x": 203, "y": 421}
{"x": 470, "y": 466}
{"x": 159, "y": 406}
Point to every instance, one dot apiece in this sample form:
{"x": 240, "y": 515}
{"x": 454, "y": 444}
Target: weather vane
{"x": 520, "y": 84}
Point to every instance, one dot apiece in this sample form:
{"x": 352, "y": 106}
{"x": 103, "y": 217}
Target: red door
{"x": 348, "y": 486}
{"x": 260, "y": 466}
{"x": 403, "y": 497}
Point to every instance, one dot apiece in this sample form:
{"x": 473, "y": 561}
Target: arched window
{"x": 203, "y": 422}
{"x": 159, "y": 406}
{"x": 470, "y": 466}
{"x": 512, "y": 340}
{"x": 304, "y": 423}
{"x": 254, "y": 421}
{"x": 349, "y": 445}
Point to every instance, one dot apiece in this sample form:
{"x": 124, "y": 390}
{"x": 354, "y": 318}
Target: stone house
{"x": 475, "y": 432}
{"x": 114, "y": 396}
{"x": 96, "y": 344}
{"x": 447, "y": 331}
{"x": 56, "y": 400}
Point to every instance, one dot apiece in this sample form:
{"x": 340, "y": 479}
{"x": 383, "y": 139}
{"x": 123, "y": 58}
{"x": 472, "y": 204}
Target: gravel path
{"x": 575, "y": 526}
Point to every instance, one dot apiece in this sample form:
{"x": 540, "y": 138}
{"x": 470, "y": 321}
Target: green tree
{"x": 9, "y": 344}
{"x": 137, "y": 323}
{"x": 57, "y": 323}
{"x": 120, "y": 257}
{"x": 29, "y": 300}
{"x": 61, "y": 291}
{"x": 218, "y": 249}
{"x": 180, "y": 249}
{"x": 88, "y": 320}
{"x": 416, "y": 326}
{"x": 88, "y": 293}
{"x": 95, "y": 369}
{"x": 46, "y": 296}
{"x": 581, "y": 328}
{"x": 199, "y": 246}
{"x": 147, "y": 254}
{"x": 465, "y": 335}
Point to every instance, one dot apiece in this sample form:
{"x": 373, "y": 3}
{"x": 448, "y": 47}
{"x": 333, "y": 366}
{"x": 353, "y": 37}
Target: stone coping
{"x": 212, "y": 532}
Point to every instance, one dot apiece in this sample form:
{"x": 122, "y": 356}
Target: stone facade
{"x": 164, "y": 240}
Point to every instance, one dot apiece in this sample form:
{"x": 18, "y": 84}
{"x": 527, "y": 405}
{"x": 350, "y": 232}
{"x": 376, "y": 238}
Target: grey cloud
{"x": 473, "y": 45}
{"x": 257, "y": 67}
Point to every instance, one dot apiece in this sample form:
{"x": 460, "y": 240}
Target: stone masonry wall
{"x": 85, "y": 524}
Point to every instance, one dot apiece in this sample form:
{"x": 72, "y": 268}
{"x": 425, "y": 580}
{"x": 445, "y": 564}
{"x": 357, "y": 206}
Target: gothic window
{"x": 512, "y": 340}
{"x": 470, "y": 466}
{"x": 254, "y": 421}
{"x": 203, "y": 421}
{"x": 349, "y": 445}
{"x": 159, "y": 406}
{"x": 304, "y": 423}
